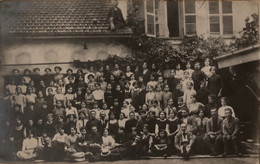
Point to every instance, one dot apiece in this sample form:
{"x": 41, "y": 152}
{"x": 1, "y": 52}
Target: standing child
{"x": 50, "y": 98}
{"x": 132, "y": 81}
{"x": 50, "y": 86}
{"x": 30, "y": 96}
{"x": 154, "y": 108}
{"x": 128, "y": 72}
{"x": 59, "y": 96}
{"x": 39, "y": 101}
{"x": 166, "y": 95}
{"x": 83, "y": 108}
{"x": 125, "y": 108}
{"x": 59, "y": 110}
{"x": 69, "y": 96}
{"x": 89, "y": 98}
{"x": 152, "y": 81}
{"x": 177, "y": 93}
{"x": 71, "y": 110}
{"x": 187, "y": 94}
{"x": 19, "y": 98}
{"x": 127, "y": 92}
{"x": 98, "y": 95}
{"x": 79, "y": 97}
{"x": 150, "y": 96}
{"x": 109, "y": 96}
{"x": 159, "y": 96}
{"x": 12, "y": 87}
{"x": 185, "y": 80}
{"x": 106, "y": 111}
{"x": 135, "y": 95}
{"x": 97, "y": 109}
{"x": 179, "y": 72}
{"x": 188, "y": 68}
{"x": 23, "y": 86}
{"x": 81, "y": 123}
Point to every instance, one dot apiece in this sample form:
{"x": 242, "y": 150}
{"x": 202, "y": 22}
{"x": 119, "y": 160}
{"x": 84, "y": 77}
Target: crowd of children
{"x": 105, "y": 114}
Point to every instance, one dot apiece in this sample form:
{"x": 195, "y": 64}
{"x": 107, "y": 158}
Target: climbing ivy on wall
{"x": 161, "y": 51}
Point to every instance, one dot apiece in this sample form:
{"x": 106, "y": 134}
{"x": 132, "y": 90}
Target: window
{"x": 220, "y": 17}
{"x": 189, "y": 17}
{"x": 156, "y": 18}
{"x": 150, "y": 17}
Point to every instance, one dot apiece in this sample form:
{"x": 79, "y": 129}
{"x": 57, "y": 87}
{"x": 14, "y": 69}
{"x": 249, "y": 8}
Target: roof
{"x": 56, "y": 18}
{"x": 241, "y": 56}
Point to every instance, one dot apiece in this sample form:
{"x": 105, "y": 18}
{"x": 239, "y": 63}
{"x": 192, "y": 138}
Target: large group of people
{"x": 117, "y": 113}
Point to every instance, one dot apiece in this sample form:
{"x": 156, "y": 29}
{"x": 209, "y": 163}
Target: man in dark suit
{"x": 131, "y": 123}
{"x": 103, "y": 121}
{"x": 93, "y": 122}
{"x": 213, "y": 135}
{"x": 115, "y": 17}
{"x": 184, "y": 141}
{"x": 230, "y": 131}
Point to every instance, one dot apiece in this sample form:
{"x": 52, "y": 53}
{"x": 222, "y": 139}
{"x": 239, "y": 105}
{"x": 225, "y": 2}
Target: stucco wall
{"x": 56, "y": 51}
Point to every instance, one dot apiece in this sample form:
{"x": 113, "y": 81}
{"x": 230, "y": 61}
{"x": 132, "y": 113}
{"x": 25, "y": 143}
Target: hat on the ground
{"x": 79, "y": 156}
{"x": 105, "y": 152}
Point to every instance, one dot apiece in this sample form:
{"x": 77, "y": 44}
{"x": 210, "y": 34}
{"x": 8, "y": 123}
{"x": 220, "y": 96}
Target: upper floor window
{"x": 156, "y": 18}
{"x": 150, "y": 18}
{"x": 220, "y": 17}
{"x": 189, "y": 17}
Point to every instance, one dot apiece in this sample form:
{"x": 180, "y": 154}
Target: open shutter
{"x": 150, "y": 18}
{"x": 190, "y": 17}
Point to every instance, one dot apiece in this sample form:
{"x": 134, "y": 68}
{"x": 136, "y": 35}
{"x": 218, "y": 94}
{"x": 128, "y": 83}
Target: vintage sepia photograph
{"x": 129, "y": 81}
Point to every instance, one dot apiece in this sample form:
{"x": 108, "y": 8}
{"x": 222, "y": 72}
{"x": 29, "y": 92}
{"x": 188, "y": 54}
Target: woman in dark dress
{"x": 173, "y": 122}
{"x": 81, "y": 84}
{"x": 17, "y": 135}
{"x": 112, "y": 125}
{"x": 199, "y": 126}
{"x": 215, "y": 83}
{"x": 109, "y": 96}
{"x": 162, "y": 124}
{"x": 160, "y": 144}
{"x": 119, "y": 95}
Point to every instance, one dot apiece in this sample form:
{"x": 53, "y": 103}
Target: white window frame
{"x": 152, "y": 14}
{"x": 184, "y": 19}
{"x": 221, "y": 24}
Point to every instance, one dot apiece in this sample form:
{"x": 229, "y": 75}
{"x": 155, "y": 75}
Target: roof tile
{"x": 56, "y": 17}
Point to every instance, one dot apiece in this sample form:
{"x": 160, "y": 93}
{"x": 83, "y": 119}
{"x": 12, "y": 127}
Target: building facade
{"x": 54, "y": 32}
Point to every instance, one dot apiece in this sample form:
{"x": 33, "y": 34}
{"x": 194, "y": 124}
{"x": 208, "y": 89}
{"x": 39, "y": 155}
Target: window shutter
{"x": 150, "y": 24}
{"x": 149, "y": 6}
{"x": 227, "y": 25}
{"x": 150, "y": 18}
{"x": 213, "y": 7}
{"x": 214, "y": 24}
{"x": 189, "y": 6}
{"x": 227, "y": 7}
